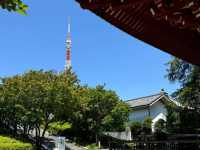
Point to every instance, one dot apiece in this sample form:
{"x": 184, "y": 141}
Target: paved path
{"x": 50, "y": 142}
{"x": 72, "y": 146}
{"x": 68, "y": 145}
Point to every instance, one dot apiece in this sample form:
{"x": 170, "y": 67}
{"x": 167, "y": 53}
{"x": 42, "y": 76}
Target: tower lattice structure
{"x": 68, "y": 47}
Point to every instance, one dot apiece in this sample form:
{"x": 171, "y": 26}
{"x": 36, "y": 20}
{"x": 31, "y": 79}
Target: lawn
{"x": 8, "y": 143}
{"x": 92, "y": 147}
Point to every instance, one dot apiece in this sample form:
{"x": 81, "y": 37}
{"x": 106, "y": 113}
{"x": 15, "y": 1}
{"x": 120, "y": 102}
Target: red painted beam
{"x": 158, "y": 32}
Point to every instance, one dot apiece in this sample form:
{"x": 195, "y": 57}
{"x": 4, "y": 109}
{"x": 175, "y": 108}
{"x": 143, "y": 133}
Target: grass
{"x": 8, "y": 143}
{"x": 92, "y": 147}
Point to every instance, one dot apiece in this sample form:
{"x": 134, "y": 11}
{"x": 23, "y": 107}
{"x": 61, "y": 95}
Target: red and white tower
{"x": 68, "y": 47}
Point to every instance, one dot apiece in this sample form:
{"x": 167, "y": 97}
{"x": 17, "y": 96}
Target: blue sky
{"x": 101, "y": 53}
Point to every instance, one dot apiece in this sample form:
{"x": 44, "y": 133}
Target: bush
{"x": 136, "y": 127}
{"x": 147, "y": 125}
{"x": 160, "y": 125}
{"x": 7, "y": 143}
{"x": 92, "y": 147}
{"x": 160, "y": 130}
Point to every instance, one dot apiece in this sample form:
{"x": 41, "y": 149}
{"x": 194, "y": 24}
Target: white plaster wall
{"x": 157, "y": 111}
{"x": 138, "y": 115}
{"x": 157, "y": 108}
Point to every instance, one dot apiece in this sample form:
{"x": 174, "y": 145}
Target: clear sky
{"x": 101, "y": 53}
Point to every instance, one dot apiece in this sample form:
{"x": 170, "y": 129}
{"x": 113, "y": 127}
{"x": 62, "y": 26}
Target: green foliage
{"x": 131, "y": 145}
{"x": 136, "y": 127}
{"x": 117, "y": 119}
{"x": 44, "y": 99}
{"x": 160, "y": 125}
{"x": 179, "y": 70}
{"x": 147, "y": 125}
{"x": 56, "y": 127}
{"x": 182, "y": 120}
{"x": 173, "y": 118}
{"x": 188, "y": 76}
{"x": 7, "y": 143}
{"x": 92, "y": 147}
{"x": 98, "y": 110}
{"x": 14, "y": 5}
{"x": 35, "y": 99}
{"x": 160, "y": 130}
{"x": 189, "y": 121}
{"x": 144, "y": 127}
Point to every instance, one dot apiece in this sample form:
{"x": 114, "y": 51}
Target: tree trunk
{"x": 24, "y": 130}
{"x": 45, "y": 128}
{"x": 38, "y": 142}
{"x": 96, "y": 138}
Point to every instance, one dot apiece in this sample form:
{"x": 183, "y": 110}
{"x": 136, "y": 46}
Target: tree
{"x": 50, "y": 97}
{"x": 188, "y": 76}
{"x": 56, "y": 128}
{"x": 10, "y": 106}
{"x": 31, "y": 101}
{"x": 97, "y": 110}
{"x": 101, "y": 104}
{"x": 67, "y": 86}
{"x": 173, "y": 118}
{"x": 14, "y": 5}
{"x": 117, "y": 119}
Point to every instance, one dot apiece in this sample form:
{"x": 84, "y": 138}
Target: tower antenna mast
{"x": 68, "y": 46}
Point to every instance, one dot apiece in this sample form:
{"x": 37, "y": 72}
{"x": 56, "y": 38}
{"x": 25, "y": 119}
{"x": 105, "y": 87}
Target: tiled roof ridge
{"x": 143, "y": 97}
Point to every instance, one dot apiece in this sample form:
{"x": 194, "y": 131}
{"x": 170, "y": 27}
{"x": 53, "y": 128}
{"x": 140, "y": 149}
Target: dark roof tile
{"x": 143, "y": 101}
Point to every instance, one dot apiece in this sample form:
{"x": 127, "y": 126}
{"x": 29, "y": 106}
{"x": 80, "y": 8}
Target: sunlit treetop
{"x": 14, "y": 6}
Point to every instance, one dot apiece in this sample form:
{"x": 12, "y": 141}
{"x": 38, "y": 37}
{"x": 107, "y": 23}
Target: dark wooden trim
{"x": 178, "y": 37}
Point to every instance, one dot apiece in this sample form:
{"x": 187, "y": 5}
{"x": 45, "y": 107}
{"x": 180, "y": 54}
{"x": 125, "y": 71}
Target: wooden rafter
{"x": 173, "y": 27}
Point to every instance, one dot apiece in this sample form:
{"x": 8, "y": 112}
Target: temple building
{"x": 153, "y": 106}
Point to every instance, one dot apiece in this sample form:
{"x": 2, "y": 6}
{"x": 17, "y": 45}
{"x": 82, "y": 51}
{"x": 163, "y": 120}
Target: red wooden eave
{"x": 173, "y": 28}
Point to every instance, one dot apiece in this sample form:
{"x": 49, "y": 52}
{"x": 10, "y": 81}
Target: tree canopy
{"x": 31, "y": 102}
{"x": 186, "y": 118}
{"x": 98, "y": 110}
{"x": 188, "y": 76}
{"x": 14, "y": 5}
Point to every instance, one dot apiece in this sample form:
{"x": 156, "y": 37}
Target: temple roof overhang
{"x": 172, "y": 26}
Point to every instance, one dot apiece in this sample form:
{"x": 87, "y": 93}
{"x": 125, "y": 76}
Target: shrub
{"x": 147, "y": 125}
{"x": 136, "y": 127}
{"x": 7, "y": 143}
{"x": 92, "y": 147}
{"x": 160, "y": 130}
{"x": 160, "y": 125}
